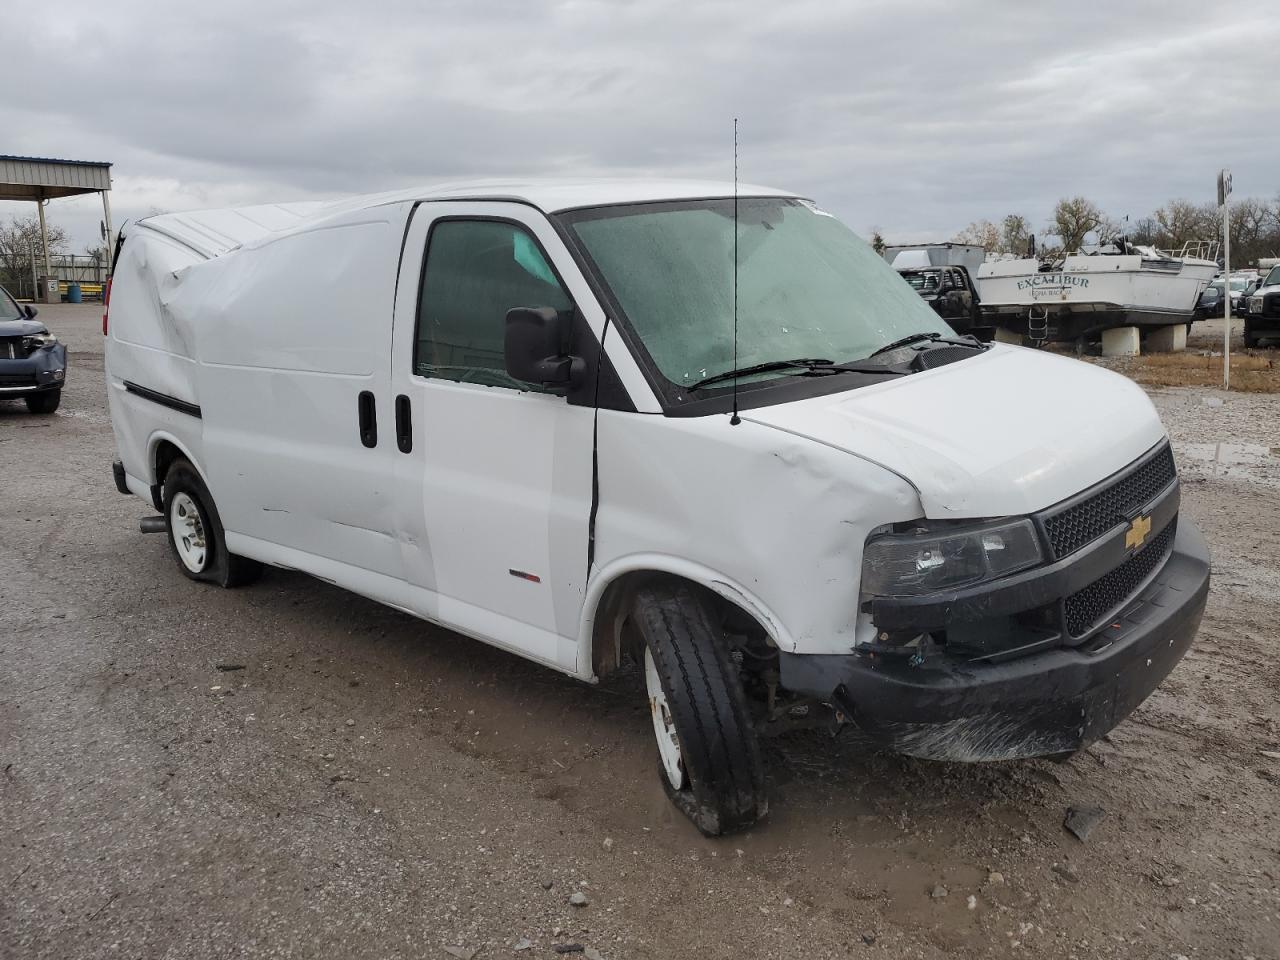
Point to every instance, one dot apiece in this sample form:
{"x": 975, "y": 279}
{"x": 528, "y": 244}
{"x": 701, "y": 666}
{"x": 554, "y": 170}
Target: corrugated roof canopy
{"x": 39, "y": 178}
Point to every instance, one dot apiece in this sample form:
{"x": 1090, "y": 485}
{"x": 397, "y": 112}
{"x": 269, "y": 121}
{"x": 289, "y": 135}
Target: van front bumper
{"x": 1049, "y": 703}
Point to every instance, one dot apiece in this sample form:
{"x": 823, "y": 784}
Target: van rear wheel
{"x": 195, "y": 531}
{"x": 708, "y": 757}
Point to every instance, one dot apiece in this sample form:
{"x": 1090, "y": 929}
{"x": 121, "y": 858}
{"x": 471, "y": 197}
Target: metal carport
{"x": 40, "y": 179}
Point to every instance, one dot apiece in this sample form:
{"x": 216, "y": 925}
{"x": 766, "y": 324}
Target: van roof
{"x": 214, "y": 232}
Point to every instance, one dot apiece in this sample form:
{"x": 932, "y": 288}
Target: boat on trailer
{"x": 1076, "y": 297}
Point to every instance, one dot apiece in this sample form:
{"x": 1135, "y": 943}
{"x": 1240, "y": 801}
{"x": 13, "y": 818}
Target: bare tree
{"x": 984, "y": 233}
{"x": 877, "y": 241}
{"x": 1182, "y": 220}
{"x": 17, "y": 239}
{"x": 1147, "y": 231}
{"x": 1015, "y": 234}
{"x": 1252, "y": 235}
{"x": 1075, "y": 218}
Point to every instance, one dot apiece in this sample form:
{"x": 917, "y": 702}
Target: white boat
{"x": 1080, "y": 295}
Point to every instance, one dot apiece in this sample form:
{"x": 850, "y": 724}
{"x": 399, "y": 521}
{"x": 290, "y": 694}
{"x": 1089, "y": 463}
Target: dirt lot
{"x": 364, "y": 785}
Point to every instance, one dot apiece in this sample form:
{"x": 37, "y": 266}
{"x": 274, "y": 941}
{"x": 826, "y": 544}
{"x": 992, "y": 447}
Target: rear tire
{"x": 709, "y": 760}
{"x": 44, "y": 402}
{"x": 195, "y": 531}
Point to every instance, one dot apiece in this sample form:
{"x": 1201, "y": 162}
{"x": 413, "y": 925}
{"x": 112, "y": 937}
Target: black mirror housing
{"x": 536, "y": 348}
{"x": 30, "y": 311}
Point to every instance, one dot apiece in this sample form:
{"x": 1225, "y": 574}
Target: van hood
{"x": 1009, "y": 431}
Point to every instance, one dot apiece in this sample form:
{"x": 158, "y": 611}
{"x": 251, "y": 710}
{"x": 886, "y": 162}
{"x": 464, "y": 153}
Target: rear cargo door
{"x": 495, "y": 475}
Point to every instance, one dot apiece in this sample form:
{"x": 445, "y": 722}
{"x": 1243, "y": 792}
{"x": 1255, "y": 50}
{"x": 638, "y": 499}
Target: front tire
{"x": 709, "y": 760}
{"x": 195, "y": 531}
{"x": 46, "y": 401}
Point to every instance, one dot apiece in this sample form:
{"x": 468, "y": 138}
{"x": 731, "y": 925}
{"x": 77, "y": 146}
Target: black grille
{"x": 11, "y": 348}
{"x": 1271, "y": 305}
{"x": 1072, "y": 527}
{"x": 21, "y": 380}
{"x": 1085, "y": 609}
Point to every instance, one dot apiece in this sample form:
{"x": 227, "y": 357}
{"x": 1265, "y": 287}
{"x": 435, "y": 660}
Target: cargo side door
{"x": 495, "y": 476}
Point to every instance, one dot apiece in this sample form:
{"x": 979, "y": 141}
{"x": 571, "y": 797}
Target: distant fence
{"x": 85, "y": 270}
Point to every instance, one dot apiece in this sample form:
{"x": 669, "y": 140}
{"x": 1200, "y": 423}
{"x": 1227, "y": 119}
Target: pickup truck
{"x": 698, "y": 433}
{"x": 952, "y": 294}
{"x": 1262, "y": 320}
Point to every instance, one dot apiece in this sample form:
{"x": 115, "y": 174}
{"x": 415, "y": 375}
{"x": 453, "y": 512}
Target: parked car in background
{"x": 941, "y": 274}
{"x": 1241, "y": 287}
{"x": 1210, "y": 302}
{"x": 33, "y": 364}
{"x": 1263, "y": 319}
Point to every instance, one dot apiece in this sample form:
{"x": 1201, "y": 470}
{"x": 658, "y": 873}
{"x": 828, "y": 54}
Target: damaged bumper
{"x": 1051, "y": 702}
{"x": 44, "y": 369}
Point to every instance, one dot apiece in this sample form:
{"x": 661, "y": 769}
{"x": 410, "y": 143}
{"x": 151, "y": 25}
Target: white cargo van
{"x": 520, "y": 410}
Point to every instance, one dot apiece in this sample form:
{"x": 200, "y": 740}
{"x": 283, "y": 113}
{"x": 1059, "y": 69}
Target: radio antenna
{"x": 735, "y": 419}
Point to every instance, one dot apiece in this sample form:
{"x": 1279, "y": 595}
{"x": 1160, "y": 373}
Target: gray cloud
{"x": 914, "y": 118}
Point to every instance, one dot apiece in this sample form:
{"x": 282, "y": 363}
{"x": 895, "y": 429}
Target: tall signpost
{"x": 1224, "y": 194}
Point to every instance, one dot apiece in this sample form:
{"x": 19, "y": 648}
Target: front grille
{"x": 1271, "y": 305}
{"x": 1072, "y": 527}
{"x": 11, "y": 348}
{"x": 1087, "y": 608}
{"x": 19, "y": 380}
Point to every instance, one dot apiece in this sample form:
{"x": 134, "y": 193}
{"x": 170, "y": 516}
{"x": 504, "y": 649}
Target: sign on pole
{"x": 1224, "y": 201}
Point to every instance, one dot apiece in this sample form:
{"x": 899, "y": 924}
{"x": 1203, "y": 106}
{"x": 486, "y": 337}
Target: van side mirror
{"x": 30, "y": 311}
{"x": 536, "y": 348}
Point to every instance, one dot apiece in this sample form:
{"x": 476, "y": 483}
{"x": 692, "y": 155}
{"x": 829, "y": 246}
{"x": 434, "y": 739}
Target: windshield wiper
{"x": 809, "y": 365}
{"x": 904, "y": 342}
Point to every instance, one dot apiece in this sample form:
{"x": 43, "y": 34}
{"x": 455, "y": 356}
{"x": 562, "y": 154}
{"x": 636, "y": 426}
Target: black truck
{"x": 953, "y": 294}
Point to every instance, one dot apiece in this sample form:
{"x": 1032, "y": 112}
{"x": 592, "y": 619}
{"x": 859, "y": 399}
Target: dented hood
{"x": 1009, "y": 431}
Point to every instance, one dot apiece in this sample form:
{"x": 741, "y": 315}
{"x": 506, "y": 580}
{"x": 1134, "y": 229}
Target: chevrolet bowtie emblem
{"x": 1137, "y": 532}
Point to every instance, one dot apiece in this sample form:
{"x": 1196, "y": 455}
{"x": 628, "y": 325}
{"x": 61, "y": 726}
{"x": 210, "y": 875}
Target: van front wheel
{"x": 195, "y": 531}
{"x": 708, "y": 757}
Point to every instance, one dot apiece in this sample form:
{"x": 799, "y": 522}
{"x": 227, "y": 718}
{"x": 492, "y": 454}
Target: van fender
{"x": 161, "y": 436}
{"x": 733, "y": 591}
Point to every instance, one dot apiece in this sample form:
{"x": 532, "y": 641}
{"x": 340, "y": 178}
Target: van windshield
{"x": 807, "y": 286}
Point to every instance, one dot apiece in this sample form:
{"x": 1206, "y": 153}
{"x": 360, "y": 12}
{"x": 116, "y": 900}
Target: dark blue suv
{"x": 33, "y": 364}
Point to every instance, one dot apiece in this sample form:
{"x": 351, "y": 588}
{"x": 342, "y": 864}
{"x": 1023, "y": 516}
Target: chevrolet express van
{"x": 715, "y": 437}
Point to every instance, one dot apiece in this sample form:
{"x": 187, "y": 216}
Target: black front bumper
{"x": 44, "y": 369}
{"x": 1048, "y": 703}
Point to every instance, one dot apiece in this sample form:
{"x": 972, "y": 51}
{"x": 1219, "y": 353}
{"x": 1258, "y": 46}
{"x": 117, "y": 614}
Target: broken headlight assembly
{"x": 928, "y": 558}
{"x": 37, "y": 340}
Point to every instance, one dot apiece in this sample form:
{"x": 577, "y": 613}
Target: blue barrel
{"x": 73, "y": 293}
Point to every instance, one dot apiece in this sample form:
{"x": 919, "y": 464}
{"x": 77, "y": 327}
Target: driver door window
{"x": 475, "y": 271}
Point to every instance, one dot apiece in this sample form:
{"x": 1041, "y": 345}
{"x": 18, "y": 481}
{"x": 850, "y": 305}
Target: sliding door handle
{"x": 404, "y": 424}
{"x": 368, "y": 419}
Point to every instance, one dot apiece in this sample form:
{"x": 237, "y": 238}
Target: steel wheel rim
{"x": 187, "y": 530}
{"x": 664, "y": 726}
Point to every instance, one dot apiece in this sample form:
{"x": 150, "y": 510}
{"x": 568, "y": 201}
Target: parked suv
{"x": 1263, "y": 318}
{"x": 706, "y": 432}
{"x": 33, "y": 364}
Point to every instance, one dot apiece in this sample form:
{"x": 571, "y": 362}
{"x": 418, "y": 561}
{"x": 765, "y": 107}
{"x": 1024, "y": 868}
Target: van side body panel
{"x": 289, "y": 332}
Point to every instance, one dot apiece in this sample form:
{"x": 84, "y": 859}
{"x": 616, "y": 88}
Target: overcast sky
{"x": 915, "y": 118}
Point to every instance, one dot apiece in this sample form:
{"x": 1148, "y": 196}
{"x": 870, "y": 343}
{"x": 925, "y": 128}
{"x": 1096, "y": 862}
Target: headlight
{"x": 38, "y": 340}
{"x": 947, "y": 558}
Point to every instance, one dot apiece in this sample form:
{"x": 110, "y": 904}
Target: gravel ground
{"x": 292, "y": 771}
